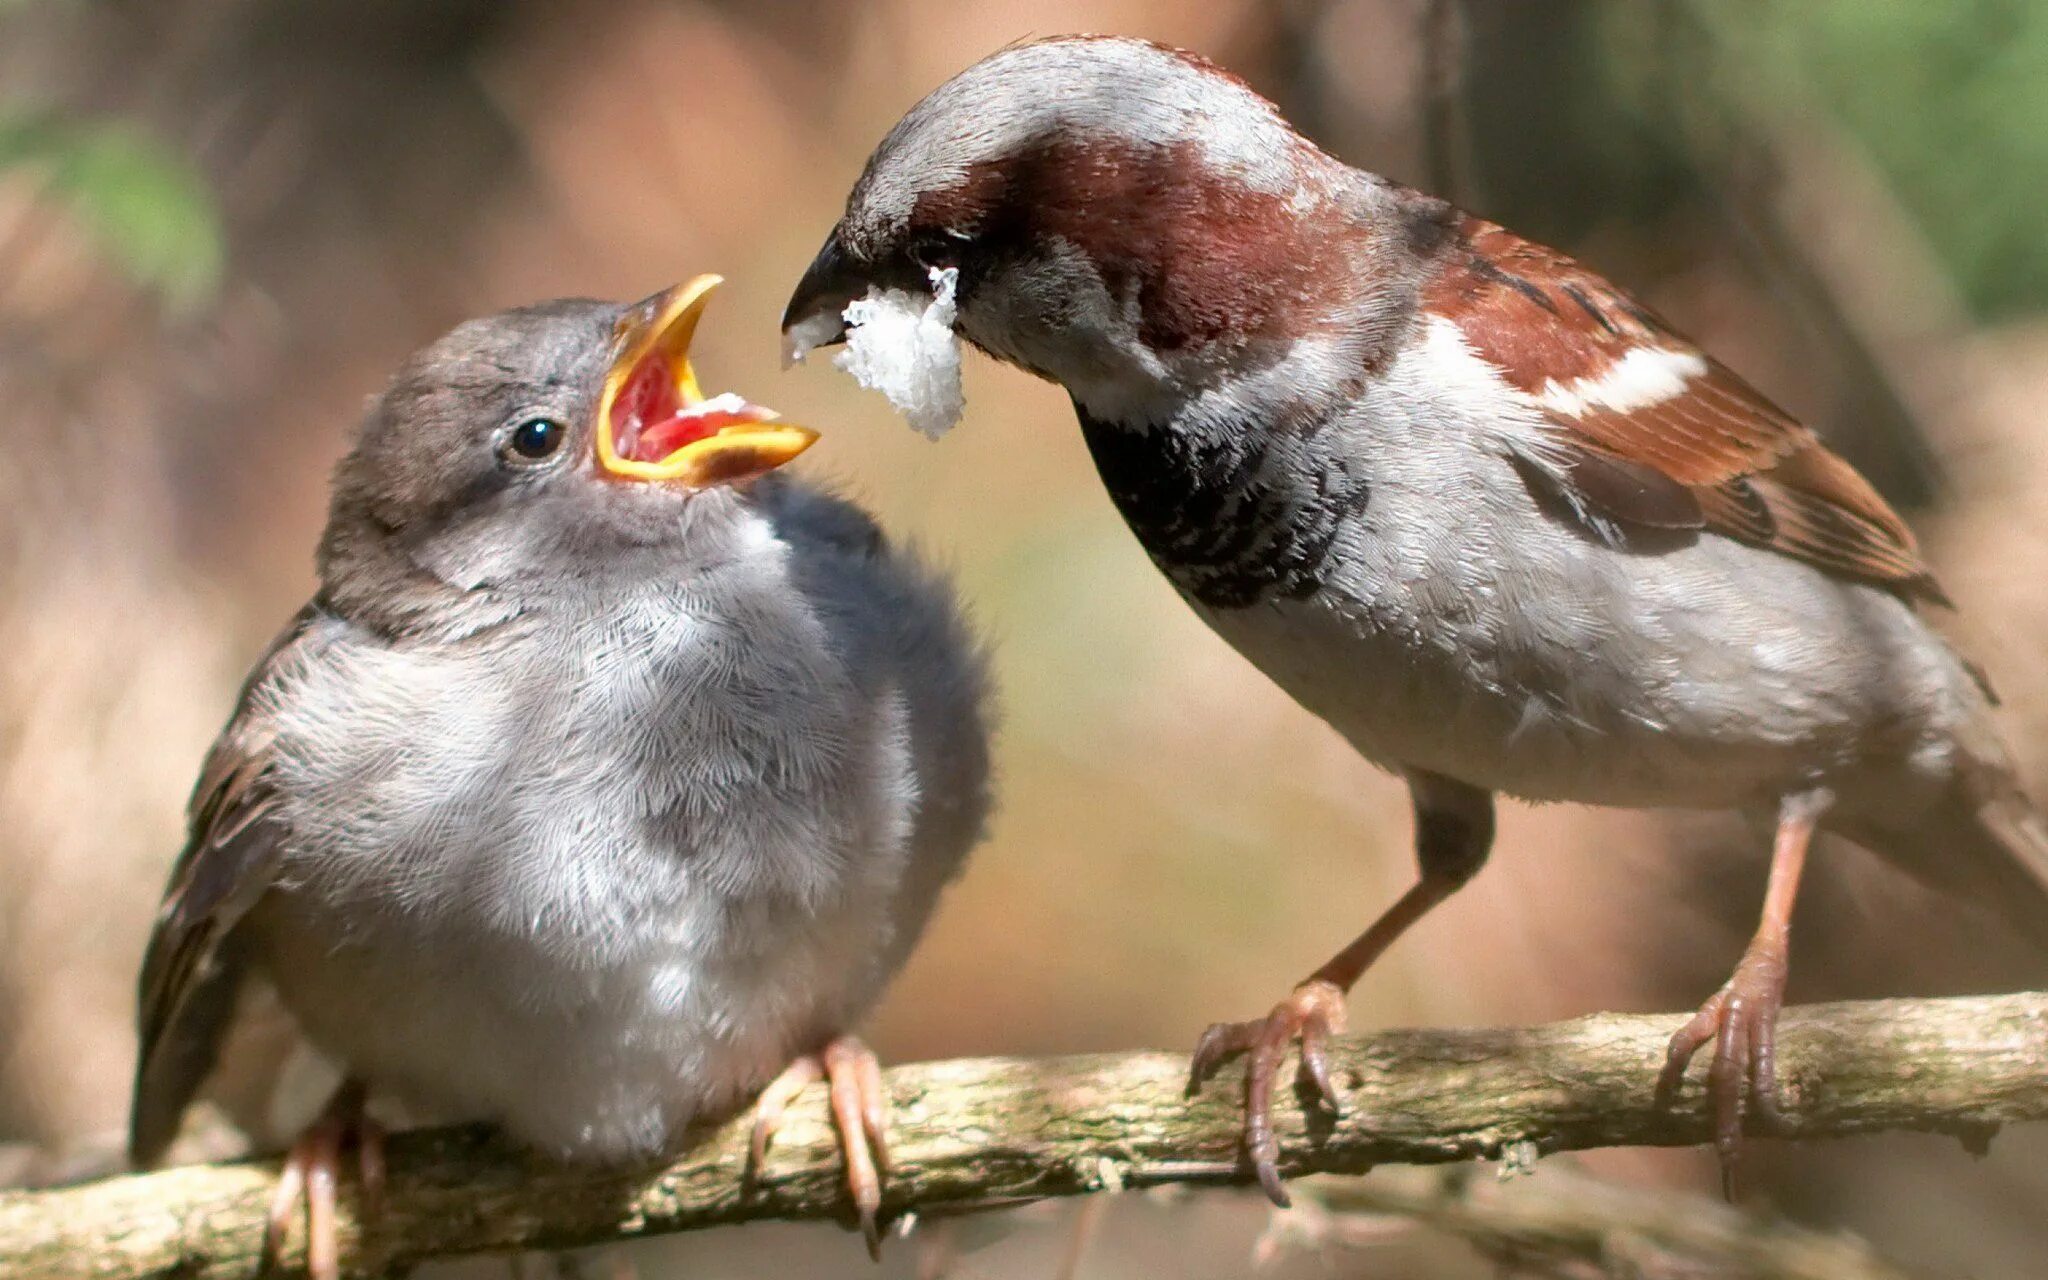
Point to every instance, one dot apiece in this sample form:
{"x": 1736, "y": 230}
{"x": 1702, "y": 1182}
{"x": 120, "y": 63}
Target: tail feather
{"x": 2010, "y": 861}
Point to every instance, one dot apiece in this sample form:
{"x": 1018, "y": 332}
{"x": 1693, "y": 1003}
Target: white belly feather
{"x": 620, "y": 884}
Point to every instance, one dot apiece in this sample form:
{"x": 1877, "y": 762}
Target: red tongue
{"x": 650, "y": 422}
{"x": 664, "y": 438}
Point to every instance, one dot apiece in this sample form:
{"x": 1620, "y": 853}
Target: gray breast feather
{"x": 594, "y": 873}
{"x": 1459, "y": 626}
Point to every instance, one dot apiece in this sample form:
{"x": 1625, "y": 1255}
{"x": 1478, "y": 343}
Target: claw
{"x": 1763, "y": 1076}
{"x": 874, "y": 1100}
{"x": 1741, "y": 1020}
{"x": 769, "y": 1110}
{"x": 1311, "y": 1013}
{"x": 858, "y": 1115}
{"x": 859, "y": 1103}
{"x": 1218, "y": 1045}
{"x": 310, "y": 1177}
{"x": 1315, "y": 1065}
{"x": 284, "y": 1204}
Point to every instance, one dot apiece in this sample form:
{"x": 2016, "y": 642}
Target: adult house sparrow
{"x": 607, "y": 776}
{"x": 1489, "y": 517}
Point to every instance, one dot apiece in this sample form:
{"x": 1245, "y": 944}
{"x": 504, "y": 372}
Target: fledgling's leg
{"x": 772, "y": 1105}
{"x": 1453, "y": 833}
{"x": 860, "y": 1106}
{"x": 311, "y": 1176}
{"x": 1742, "y": 1017}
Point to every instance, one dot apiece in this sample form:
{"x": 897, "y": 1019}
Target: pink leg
{"x": 859, "y": 1113}
{"x": 310, "y": 1176}
{"x": 773, "y": 1104}
{"x": 1453, "y": 831}
{"x": 1741, "y": 1019}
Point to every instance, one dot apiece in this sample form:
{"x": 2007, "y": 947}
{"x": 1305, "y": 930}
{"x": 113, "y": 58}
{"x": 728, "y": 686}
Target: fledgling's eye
{"x": 534, "y": 440}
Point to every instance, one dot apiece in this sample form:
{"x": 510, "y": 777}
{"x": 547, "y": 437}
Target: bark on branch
{"x": 981, "y": 1133}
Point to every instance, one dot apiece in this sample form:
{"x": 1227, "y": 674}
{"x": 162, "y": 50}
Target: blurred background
{"x": 222, "y": 222}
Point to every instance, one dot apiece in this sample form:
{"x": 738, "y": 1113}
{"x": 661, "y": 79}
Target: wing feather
{"x": 191, "y": 972}
{"x": 1616, "y": 383}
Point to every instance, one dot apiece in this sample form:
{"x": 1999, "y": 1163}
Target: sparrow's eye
{"x": 937, "y": 249}
{"x": 534, "y": 440}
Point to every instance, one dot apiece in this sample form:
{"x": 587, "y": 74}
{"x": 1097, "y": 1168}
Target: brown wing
{"x": 1674, "y": 439}
{"x": 192, "y": 971}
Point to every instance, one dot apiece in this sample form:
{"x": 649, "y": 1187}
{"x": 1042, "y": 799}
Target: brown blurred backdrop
{"x": 222, "y": 222}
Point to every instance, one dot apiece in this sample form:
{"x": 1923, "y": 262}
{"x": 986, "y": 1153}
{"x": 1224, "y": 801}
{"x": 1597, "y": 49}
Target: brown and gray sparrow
{"x": 610, "y": 773}
{"x": 1464, "y": 499}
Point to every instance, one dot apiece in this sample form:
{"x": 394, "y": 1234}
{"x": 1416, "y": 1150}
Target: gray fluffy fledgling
{"x": 608, "y": 774}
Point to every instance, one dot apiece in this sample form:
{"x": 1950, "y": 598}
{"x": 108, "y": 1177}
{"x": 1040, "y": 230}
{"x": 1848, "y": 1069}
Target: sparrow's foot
{"x": 311, "y": 1175}
{"x": 1312, "y": 1013}
{"x": 860, "y": 1108}
{"x": 1741, "y": 1019}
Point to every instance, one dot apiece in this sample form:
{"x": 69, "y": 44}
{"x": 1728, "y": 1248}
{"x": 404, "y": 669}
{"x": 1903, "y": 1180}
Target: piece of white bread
{"x": 902, "y": 344}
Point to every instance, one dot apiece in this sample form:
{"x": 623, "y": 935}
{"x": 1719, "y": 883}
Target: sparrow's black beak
{"x": 812, "y": 318}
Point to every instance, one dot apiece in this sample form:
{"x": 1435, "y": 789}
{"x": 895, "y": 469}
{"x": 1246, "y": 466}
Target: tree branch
{"x": 987, "y": 1132}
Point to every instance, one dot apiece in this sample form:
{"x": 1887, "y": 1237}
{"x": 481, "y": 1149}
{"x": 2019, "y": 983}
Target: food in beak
{"x": 901, "y": 344}
{"x": 654, "y": 423}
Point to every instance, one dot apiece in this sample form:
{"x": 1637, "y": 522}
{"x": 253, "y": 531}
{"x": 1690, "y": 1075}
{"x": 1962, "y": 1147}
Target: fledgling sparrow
{"x": 610, "y": 773}
{"x": 1476, "y": 507}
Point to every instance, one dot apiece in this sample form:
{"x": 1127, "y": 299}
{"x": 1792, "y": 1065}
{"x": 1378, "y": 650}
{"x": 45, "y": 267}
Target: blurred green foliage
{"x": 153, "y": 215}
{"x": 1948, "y": 98}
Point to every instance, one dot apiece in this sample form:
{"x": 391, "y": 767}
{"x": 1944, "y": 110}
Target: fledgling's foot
{"x": 1741, "y": 1019}
{"x": 311, "y": 1176}
{"x": 1311, "y": 1013}
{"x": 860, "y": 1108}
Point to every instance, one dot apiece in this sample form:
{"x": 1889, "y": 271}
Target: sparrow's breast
{"x": 1388, "y": 565}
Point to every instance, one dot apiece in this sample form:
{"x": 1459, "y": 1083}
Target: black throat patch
{"x": 1233, "y": 522}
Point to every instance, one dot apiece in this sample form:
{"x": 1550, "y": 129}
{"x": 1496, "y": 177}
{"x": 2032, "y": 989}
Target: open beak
{"x": 655, "y": 423}
{"x": 813, "y": 317}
